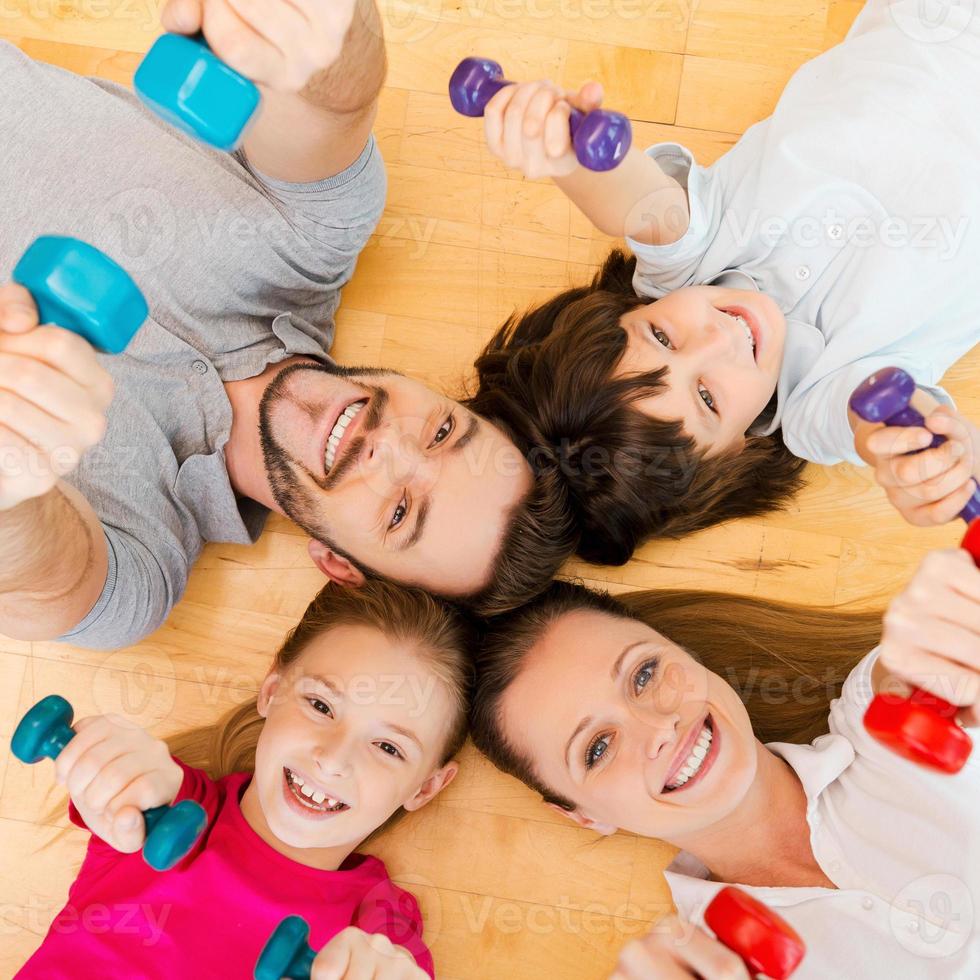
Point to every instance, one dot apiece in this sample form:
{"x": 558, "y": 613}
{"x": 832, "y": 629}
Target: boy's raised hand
{"x": 354, "y": 954}
{"x": 54, "y": 395}
{"x": 930, "y": 487}
{"x": 526, "y": 126}
{"x": 113, "y": 770}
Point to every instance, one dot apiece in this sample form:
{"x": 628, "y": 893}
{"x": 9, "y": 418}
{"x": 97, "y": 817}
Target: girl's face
{"x": 632, "y": 730}
{"x": 723, "y": 348}
{"x": 354, "y": 730}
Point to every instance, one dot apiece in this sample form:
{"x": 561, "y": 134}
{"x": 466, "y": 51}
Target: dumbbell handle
{"x": 890, "y": 396}
{"x": 287, "y": 953}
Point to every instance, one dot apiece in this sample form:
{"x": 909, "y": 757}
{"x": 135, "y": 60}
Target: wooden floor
{"x": 507, "y": 887}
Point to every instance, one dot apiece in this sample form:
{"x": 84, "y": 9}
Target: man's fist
{"x": 54, "y": 395}
{"x": 279, "y": 43}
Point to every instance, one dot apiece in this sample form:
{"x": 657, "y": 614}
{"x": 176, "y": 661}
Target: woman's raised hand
{"x": 931, "y": 636}
{"x": 676, "y": 950}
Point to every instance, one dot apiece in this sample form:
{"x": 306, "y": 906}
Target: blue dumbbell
{"x": 287, "y": 953}
{"x": 79, "y": 288}
{"x": 186, "y": 84}
{"x": 171, "y": 831}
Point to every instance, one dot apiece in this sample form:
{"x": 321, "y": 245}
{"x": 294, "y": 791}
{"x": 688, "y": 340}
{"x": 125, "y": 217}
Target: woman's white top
{"x": 856, "y": 207}
{"x": 901, "y": 842}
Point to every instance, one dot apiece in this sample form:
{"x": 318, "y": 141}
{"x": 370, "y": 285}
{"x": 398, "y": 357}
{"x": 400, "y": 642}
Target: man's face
{"x": 405, "y": 481}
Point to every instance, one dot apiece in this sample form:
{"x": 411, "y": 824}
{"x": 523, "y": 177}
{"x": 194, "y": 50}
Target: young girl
{"x": 648, "y": 727}
{"x": 359, "y": 719}
{"x": 686, "y": 386}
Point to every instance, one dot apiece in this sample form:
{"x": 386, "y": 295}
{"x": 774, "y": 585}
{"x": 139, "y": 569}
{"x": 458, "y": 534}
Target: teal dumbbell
{"x": 287, "y": 953}
{"x": 171, "y": 831}
{"x": 185, "y": 83}
{"x": 79, "y": 288}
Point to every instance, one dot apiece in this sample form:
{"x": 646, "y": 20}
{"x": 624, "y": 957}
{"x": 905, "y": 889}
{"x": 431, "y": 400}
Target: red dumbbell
{"x": 923, "y": 726}
{"x": 766, "y": 942}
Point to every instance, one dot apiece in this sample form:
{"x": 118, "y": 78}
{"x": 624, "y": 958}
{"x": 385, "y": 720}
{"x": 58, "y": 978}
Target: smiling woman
{"x": 654, "y": 723}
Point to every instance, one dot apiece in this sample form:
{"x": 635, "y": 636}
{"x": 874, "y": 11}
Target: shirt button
{"x": 200, "y": 367}
{"x": 835, "y": 231}
{"x": 914, "y": 926}
{"x": 868, "y": 903}
{"x": 803, "y": 273}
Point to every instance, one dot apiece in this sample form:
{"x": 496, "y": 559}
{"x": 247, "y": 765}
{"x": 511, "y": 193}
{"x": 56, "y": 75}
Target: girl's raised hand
{"x": 354, "y": 954}
{"x": 931, "y": 636}
{"x": 526, "y": 126}
{"x": 113, "y": 770}
{"x": 675, "y": 950}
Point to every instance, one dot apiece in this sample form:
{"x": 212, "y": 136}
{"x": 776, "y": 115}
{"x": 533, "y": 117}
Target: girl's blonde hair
{"x": 438, "y": 631}
{"x": 786, "y": 662}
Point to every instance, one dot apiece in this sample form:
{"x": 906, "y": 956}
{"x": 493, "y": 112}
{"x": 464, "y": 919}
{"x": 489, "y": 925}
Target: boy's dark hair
{"x": 547, "y": 378}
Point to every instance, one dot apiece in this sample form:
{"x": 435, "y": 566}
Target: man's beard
{"x": 293, "y": 498}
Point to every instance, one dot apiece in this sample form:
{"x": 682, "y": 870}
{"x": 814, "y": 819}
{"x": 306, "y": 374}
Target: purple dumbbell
{"x": 601, "y": 138}
{"x": 885, "y": 397}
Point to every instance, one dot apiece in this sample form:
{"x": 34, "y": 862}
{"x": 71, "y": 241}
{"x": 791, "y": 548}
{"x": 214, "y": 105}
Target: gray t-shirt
{"x": 240, "y": 271}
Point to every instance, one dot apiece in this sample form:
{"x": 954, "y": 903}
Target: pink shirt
{"x": 211, "y": 915}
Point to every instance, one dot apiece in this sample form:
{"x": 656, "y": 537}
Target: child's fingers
{"x": 895, "y": 440}
{"x": 88, "y": 731}
{"x": 537, "y": 111}
{"x": 117, "y": 784}
{"x": 513, "y": 137}
{"x": 493, "y": 119}
{"x": 942, "y": 511}
{"x": 128, "y": 830}
{"x": 944, "y": 421}
{"x": 588, "y": 97}
{"x": 87, "y": 770}
{"x": 907, "y": 471}
{"x": 557, "y": 136}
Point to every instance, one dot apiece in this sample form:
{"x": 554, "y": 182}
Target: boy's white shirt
{"x": 901, "y": 842}
{"x": 856, "y": 207}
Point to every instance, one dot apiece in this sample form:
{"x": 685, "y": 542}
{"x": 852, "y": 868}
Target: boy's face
{"x": 723, "y": 349}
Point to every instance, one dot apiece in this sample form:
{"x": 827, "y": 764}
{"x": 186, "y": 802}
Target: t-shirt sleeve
{"x": 660, "y": 269}
{"x": 144, "y": 580}
{"x": 336, "y": 215}
{"x": 815, "y": 421}
{"x": 393, "y": 912}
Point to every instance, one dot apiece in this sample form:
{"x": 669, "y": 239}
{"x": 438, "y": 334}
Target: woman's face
{"x": 359, "y": 721}
{"x": 723, "y": 349}
{"x": 631, "y": 729}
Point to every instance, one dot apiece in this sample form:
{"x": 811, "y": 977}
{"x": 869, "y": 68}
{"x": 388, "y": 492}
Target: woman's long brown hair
{"x": 786, "y": 662}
